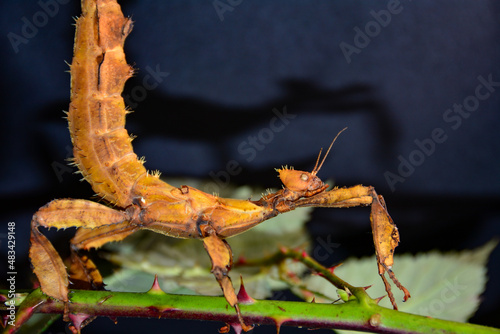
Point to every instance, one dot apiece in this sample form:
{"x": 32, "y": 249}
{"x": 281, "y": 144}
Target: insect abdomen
{"x": 101, "y": 145}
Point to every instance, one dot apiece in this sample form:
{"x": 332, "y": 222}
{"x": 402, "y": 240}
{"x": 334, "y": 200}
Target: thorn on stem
{"x": 241, "y": 260}
{"x": 79, "y": 321}
{"x": 155, "y": 288}
{"x": 243, "y": 297}
{"x": 332, "y": 268}
{"x": 5, "y": 320}
{"x": 278, "y": 324}
{"x": 102, "y": 300}
{"x": 377, "y": 300}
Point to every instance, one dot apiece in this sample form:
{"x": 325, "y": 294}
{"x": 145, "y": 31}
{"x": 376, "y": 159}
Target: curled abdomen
{"x": 101, "y": 145}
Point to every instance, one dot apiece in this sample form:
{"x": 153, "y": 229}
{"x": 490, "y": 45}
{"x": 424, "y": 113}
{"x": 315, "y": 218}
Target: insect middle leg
{"x": 83, "y": 272}
{"x": 222, "y": 259}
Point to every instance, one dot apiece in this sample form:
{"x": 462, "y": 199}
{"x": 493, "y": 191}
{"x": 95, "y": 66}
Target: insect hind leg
{"x": 63, "y": 213}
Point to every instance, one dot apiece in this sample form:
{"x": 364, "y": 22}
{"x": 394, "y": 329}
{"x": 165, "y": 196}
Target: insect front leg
{"x": 338, "y": 198}
{"x": 385, "y": 232}
{"x": 222, "y": 259}
{"x": 47, "y": 264}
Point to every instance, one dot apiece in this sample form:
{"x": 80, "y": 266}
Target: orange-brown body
{"x": 102, "y": 146}
{"x": 138, "y": 199}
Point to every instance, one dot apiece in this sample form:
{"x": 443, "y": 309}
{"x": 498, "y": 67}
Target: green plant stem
{"x": 358, "y": 313}
{"x": 327, "y": 273}
{"x": 354, "y": 315}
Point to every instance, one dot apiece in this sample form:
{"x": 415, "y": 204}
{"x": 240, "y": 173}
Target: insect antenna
{"x": 316, "y": 167}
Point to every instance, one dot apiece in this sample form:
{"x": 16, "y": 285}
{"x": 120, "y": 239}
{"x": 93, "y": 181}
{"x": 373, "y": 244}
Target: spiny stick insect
{"x": 136, "y": 199}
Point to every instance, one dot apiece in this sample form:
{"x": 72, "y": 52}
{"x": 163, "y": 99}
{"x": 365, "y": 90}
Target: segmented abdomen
{"x": 101, "y": 145}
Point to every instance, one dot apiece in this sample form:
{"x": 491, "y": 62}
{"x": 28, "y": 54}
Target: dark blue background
{"x": 226, "y": 77}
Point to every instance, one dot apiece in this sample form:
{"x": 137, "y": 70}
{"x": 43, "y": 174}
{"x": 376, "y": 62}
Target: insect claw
{"x": 225, "y": 329}
{"x": 241, "y": 260}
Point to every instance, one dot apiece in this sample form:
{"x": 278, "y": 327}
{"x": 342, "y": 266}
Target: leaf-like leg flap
{"x": 385, "y": 234}
{"x": 48, "y": 266}
{"x": 63, "y": 213}
{"x": 222, "y": 260}
{"x": 385, "y": 239}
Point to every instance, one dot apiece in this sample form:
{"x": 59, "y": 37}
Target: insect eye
{"x": 304, "y": 177}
